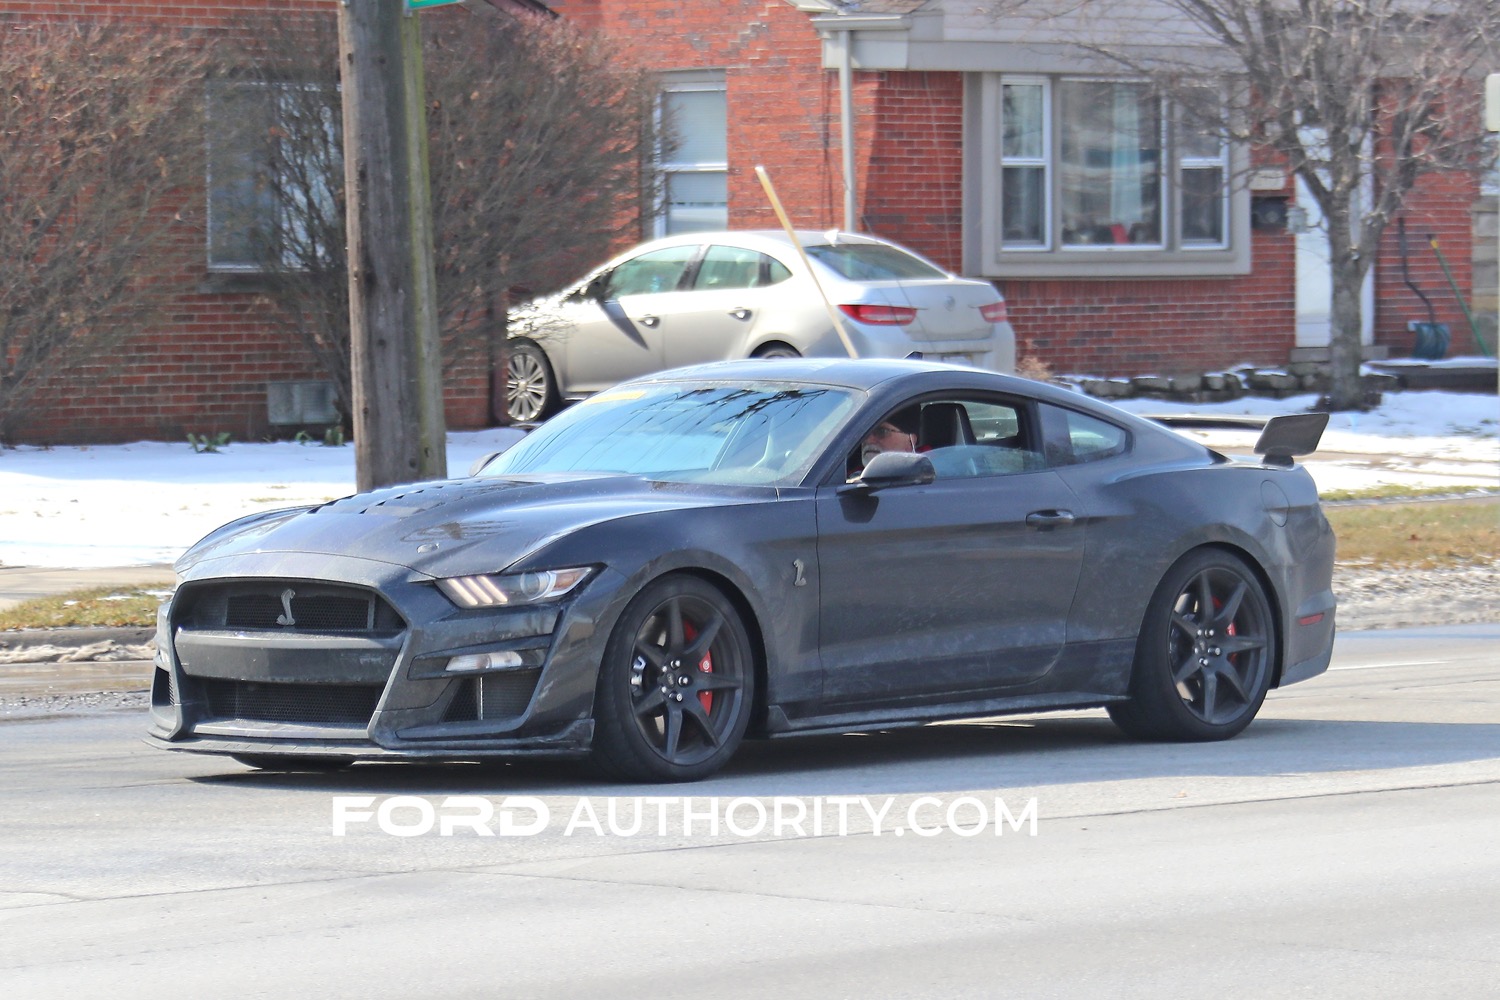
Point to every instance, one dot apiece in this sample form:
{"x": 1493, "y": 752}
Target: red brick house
{"x": 1192, "y": 281}
{"x": 1104, "y": 274}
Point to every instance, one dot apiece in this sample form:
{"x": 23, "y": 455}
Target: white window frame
{"x": 988, "y": 253}
{"x": 1045, "y": 162}
{"x": 668, "y": 168}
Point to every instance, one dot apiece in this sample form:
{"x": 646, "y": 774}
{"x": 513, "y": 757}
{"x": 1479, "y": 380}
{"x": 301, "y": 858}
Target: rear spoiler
{"x": 1288, "y": 436}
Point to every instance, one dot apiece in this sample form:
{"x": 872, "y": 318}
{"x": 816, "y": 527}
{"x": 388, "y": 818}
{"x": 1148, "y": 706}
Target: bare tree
{"x": 1361, "y": 100}
{"x": 538, "y": 139}
{"x": 99, "y": 128}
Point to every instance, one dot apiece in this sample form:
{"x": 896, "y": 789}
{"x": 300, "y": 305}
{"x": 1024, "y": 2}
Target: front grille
{"x": 319, "y": 613}
{"x": 283, "y": 606}
{"x": 493, "y": 696}
{"x": 325, "y": 704}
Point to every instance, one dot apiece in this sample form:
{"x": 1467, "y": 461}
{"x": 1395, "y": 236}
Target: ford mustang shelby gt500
{"x": 760, "y": 548}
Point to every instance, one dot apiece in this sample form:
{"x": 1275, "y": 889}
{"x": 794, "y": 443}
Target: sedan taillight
{"x": 994, "y": 312}
{"x": 877, "y": 315}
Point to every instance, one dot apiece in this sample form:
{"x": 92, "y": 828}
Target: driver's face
{"x": 885, "y": 437}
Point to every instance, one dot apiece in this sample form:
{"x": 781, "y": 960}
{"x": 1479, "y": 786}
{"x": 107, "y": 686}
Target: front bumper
{"x": 360, "y": 671}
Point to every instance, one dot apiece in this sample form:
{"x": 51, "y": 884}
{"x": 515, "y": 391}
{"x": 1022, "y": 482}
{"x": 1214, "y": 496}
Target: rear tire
{"x": 1205, "y": 655}
{"x": 777, "y": 351}
{"x": 676, "y": 686}
{"x": 530, "y": 385}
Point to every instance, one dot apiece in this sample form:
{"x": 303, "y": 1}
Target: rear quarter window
{"x": 1074, "y": 438}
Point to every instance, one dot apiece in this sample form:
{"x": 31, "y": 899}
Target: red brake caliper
{"x": 706, "y": 665}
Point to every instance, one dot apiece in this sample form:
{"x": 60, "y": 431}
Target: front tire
{"x": 1205, "y": 654}
{"x": 530, "y": 385}
{"x": 677, "y": 684}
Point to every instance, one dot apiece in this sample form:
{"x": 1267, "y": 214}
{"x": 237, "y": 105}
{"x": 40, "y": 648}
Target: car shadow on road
{"x": 992, "y": 754}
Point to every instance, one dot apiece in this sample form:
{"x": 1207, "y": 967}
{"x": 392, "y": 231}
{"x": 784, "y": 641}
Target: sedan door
{"x": 714, "y": 320}
{"x": 618, "y": 334}
{"x": 954, "y": 590}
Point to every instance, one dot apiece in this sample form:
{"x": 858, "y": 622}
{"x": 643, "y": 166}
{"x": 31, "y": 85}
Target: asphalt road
{"x": 1344, "y": 846}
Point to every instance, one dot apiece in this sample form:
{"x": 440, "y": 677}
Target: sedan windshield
{"x": 699, "y": 432}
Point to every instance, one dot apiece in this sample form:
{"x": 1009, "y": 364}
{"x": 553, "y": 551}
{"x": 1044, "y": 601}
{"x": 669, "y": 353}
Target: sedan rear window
{"x": 872, "y": 262}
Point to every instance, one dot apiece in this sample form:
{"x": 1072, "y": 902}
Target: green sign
{"x": 424, "y": 4}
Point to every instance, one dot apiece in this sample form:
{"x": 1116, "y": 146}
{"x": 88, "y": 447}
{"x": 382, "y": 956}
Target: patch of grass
{"x": 101, "y": 607}
{"x": 1419, "y": 535}
{"x": 1390, "y": 491}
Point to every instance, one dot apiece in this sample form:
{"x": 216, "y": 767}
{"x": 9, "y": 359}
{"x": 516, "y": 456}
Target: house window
{"x": 1109, "y": 164}
{"x": 1024, "y": 141}
{"x": 274, "y": 160}
{"x": 1087, "y": 176}
{"x": 694, "y": 160}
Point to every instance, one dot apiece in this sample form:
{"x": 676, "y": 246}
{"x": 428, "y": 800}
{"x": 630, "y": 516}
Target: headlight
{"x": 496, "y": 591}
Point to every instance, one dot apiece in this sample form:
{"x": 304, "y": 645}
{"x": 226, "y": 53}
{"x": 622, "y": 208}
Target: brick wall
{"x": 784, "y": 114}
{"x": 204, "y": 366}
{"x": 1442, "y": 208}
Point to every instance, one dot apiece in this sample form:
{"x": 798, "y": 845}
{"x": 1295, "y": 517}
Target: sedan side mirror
{"x": 896, "y": 468}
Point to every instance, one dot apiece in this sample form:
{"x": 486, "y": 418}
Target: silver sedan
{"x": 719, "y": 296}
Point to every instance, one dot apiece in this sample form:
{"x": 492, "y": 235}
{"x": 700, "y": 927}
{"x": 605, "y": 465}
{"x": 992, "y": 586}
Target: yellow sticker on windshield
{"x": 611, "y": 397}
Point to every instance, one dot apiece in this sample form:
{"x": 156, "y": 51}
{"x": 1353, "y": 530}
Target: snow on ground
{"x": 1419, "y": 439}
{"x": 143, "y": 504}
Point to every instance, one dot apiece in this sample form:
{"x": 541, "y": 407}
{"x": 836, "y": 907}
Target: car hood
{"x": 456, "y": 527}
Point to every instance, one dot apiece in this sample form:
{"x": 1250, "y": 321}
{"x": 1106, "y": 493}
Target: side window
{"x": 1074, "y": 437}
{"x": 963, "y": 438}
{"x": 729, "y": 267}
{"x": 657, "y": 271}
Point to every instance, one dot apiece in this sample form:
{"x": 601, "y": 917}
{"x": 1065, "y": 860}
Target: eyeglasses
{"x": 886, "y": 430}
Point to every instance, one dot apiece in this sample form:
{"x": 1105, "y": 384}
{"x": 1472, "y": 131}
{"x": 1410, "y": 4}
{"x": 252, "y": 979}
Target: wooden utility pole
{"x": 395, "y": 360}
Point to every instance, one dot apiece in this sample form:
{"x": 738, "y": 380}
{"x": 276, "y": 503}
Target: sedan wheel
{"x": 676, "y": 686}
{"x": 530, "y": 389}
{"x": 778, "y": 351}
{"x": 1205, "y": 654}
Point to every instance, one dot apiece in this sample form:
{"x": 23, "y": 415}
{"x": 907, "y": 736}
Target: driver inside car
{"x": 897, "y": 432}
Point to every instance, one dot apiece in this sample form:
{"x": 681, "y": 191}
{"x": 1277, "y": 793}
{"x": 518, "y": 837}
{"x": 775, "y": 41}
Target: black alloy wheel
{"x": 676, "y": 686}
{"x": 530, "y": 386}
{"x": 1205, "y": 655}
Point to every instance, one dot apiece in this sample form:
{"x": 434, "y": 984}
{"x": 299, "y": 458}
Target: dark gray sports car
{"x": 760, "y": 548}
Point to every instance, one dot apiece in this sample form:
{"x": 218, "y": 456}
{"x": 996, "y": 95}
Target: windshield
{"x": 872, "y": 262}
{"x": 700, "y": 432}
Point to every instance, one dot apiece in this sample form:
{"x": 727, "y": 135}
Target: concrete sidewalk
{"x": 43, "y": 670}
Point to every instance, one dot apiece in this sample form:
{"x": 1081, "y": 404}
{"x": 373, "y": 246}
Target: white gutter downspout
{"x": 846, "y": 127}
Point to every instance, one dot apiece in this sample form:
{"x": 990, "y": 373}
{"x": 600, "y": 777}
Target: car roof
{"x": 867, "y": 374}
{"x": 751, "y": 237}
{"x": 851, "y": 373}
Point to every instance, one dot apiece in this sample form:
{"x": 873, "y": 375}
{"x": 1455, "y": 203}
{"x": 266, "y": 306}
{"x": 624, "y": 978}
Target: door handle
{"x": 1046, "y": 520}
{"x": 740, "y": 313}
{"x": 651, "y": 321}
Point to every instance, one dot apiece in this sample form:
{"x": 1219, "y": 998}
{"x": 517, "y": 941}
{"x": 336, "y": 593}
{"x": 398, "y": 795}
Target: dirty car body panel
{"x": 710, "y": 528}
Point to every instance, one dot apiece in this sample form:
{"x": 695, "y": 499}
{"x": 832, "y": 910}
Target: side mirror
{"x": 593, "y": 291}
{"x": 896, "y": 468}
